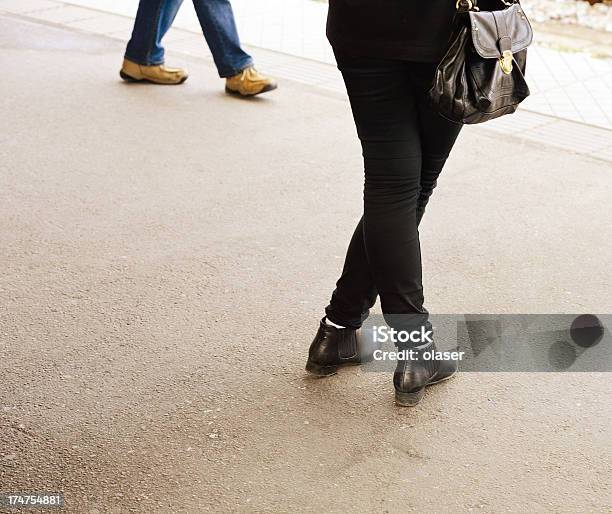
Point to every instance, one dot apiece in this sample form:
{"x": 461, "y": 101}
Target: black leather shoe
{"x": 334, "y": 347}
{"x": 413, "y": 375}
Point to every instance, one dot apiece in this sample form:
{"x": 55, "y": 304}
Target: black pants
{"x": 405, "y": 145}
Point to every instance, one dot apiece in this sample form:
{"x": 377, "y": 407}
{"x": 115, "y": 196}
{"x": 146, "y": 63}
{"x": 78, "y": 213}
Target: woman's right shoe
{"x": 335, "y": 347}
{"x": 414, "y": 374}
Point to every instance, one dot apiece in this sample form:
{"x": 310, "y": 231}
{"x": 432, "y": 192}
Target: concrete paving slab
{"x": 103, "y": 24}
{"x": 26, "y": 6}
{"x": 64, "y": 14}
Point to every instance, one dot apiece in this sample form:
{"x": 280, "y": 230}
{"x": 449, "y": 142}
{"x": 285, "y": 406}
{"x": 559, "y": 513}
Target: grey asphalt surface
{"x": 166, "y": 253}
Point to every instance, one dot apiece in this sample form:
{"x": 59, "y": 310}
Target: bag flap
{"x": 496, "y": 31}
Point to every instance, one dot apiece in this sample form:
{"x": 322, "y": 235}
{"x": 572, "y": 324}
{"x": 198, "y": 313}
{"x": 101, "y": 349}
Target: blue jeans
{"x": 155, "y": 17}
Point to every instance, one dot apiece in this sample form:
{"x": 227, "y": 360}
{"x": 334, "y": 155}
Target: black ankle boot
{"x": 414, "y": 373}
{"x": 334, "y": 347}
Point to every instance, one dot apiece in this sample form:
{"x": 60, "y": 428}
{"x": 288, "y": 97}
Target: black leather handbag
{"x": 482, "y": 74}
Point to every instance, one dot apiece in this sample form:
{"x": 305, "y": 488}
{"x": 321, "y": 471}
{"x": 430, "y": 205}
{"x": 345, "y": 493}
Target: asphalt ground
{"x": 166, "y": 253}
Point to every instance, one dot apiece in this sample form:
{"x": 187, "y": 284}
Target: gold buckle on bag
{"x": 505, "y": 61}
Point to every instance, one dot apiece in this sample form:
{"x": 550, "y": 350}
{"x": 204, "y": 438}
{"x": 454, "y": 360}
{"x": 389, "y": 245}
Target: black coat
{"x": 415, "y": 30}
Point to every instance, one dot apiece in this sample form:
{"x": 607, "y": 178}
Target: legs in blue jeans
{"x": 405, "y": 145}
{"x": 219, "y": 28}
{"x": 154, "y": 18}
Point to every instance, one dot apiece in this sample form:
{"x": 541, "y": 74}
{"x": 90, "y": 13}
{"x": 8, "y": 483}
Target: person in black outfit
{"x": 387, "y": 51}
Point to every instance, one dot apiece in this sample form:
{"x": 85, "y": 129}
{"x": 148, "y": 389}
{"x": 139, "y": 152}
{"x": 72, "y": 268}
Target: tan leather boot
{"x": 159, "y": 74}
{"x": 249, "y": 82}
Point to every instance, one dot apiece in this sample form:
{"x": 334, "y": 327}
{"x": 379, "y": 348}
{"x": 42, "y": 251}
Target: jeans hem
{"x": 230, "y": 72}
{"x": 143, "y": 62}
{"x": 338, "y": 321}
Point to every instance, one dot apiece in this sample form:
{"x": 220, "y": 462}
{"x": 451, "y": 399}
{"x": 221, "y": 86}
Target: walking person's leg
{"x": 233, "y": 63}
{"x": 144, "y": 55}
{"x": 219, "y": 28}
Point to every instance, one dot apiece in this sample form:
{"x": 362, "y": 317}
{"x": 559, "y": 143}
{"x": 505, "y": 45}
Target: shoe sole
{"x": 327, "y": 371}
{"x": 129, "y": 78}
{"x": 267, "y": 88}
{"x": 320, "y": 370}
{"x": 413, "y": 399}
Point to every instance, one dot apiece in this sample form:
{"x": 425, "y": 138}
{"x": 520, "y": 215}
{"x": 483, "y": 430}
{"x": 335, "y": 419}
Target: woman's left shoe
{"x": 335, "y": 347}
{"x": 422, "y": 369}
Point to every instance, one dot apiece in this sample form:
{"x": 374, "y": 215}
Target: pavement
{"x": 166, "y": 254}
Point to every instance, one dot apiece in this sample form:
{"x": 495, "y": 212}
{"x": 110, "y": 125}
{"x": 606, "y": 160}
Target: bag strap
{"x": 472, "y": 5}
{"x": 505, "y": 41}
